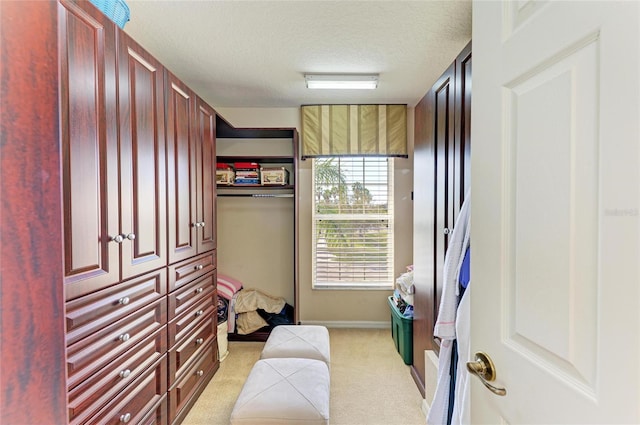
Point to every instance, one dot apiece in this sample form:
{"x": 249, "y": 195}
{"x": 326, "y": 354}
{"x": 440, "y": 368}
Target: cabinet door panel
{"x": 443, "y": 144}
{"x": 89, "y": 145}
{"x": 463, "y": 126}
{"x": 182, "y": 173}
{"x": 206, "y": 183}
{"x": 142, "y": 158}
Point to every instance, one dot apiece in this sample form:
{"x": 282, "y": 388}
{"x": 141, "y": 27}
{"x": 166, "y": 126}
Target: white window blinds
{"x": 353, "y": 222}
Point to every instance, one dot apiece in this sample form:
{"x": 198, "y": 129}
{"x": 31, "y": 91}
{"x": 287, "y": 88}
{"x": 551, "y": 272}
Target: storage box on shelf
{"x": 274, "y": 176}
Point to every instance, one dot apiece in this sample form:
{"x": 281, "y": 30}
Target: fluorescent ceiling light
{"x": 348, "y": 81}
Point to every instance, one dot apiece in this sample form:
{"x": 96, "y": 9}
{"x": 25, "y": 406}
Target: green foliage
{"x": 362, "y": 240}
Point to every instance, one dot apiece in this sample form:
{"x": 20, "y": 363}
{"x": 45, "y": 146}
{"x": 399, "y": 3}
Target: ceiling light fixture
{"x": 346, "y": 81}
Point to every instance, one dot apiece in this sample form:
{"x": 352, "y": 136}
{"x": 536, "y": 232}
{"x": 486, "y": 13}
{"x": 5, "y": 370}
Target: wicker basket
{"x": 116, "y": 10}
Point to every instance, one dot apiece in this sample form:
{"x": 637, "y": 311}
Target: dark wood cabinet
{"x": 191, "y": 136}
{"x": 113, "y": 166}
{"x": 142, "y": 159}
{"x": 206, "y": 178}
{"x": 108, "y": 239}
{"x": 89, "y": 142}
{"x": 441, "y": 179}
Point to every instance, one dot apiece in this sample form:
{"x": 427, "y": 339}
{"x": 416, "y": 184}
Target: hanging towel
{"x": 461, "y": 407}
{"x": 445, "y": 327}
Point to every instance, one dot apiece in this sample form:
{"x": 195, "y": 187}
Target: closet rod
{"x": 258, "y": 195}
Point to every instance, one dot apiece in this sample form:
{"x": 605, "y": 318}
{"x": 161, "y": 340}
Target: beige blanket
{"x": 247, "y": 302}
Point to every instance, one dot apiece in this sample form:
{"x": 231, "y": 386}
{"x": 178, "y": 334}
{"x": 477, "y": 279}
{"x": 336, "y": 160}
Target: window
{"x": 353, "y": 222}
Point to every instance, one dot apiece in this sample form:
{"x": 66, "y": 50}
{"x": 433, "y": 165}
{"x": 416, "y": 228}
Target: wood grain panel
{"x": 142, "y": 397}
{"x": 31, "y": 294}
{"x": 90, "y": 147}
{"x": 206, "y": 181}
{"x": 182, "y": 151}
{"x": 462, "y": 180}
{"x": 90, "y": 313}
{"x": 185, "y": 392}
{"x": 422, "y": 241}
{"x": 443, "y": 102}
{"x": 142, "y": 159}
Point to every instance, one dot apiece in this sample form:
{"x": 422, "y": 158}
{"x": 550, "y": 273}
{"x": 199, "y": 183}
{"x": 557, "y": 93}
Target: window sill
{"x": 353, "y": 287}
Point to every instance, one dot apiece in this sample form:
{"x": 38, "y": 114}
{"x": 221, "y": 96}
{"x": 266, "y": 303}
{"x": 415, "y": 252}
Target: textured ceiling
{"x": 236, "y": 53}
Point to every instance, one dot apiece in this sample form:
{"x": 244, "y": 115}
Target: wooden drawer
{"x": 137, "y": 400}
{"x": 190, "y": 347}
{"x": 185, "y": 391}
{"x": 90, "y": 354}
{"x": 185, "y": 297}
{"x": 90, "y": 395}
{"x": 158, "y": 414}
{"x": 184, "y": 324}
{"x": 92, "y": 312}
{"x": 186, "y": 271}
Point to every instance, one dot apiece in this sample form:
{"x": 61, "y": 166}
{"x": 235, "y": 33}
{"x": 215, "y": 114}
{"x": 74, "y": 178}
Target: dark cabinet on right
{"x": 442, "y": 149}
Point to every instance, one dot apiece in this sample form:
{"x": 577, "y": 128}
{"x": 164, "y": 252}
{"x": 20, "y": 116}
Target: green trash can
{"x": 402, "y": 332}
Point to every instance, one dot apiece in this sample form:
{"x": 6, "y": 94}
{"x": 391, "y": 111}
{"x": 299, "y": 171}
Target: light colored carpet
{"x": 370, "y": 384}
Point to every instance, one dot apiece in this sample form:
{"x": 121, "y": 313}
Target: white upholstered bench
{"x": 298, "y": 341}
{"x": 284, "y": 391}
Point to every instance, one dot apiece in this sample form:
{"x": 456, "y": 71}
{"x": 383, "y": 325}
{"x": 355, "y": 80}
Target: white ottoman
{"x": 298, "y": 341}
{"x": 284, "y": 391}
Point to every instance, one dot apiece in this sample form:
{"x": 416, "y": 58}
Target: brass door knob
{"x": 484, "y": 369}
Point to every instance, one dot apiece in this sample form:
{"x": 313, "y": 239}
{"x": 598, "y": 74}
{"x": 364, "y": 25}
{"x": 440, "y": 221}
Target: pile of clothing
{"x": 249, "y": 310}
{"x": 404, "y": 291}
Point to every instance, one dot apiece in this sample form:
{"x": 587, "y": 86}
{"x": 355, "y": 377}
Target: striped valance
{"x": 354, "y": 130}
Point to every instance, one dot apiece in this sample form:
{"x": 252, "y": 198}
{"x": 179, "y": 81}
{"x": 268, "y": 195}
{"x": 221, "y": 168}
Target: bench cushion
{"x": 298, "y": 341}
{"x": 284, "y": 391}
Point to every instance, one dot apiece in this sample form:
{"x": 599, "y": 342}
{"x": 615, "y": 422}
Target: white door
{"x": 555, "y": 211}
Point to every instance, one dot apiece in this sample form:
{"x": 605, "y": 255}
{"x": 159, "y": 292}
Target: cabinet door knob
{"x": 199, "y": 341}
{"x": 131, "y": 236}
{"x": 448, "y": 231}
{"x": 125, "y": 373}
{"x": 200, "y": 373}
{"x": 196, "y": 224}
{"x": 199, "y": 313}
{"x": 124, "y": 301}
{"x": 202, "y": 224}
{"x": 124, "y": 337}
{"x": 199, "y": 290}
{"x": 125, "y": 418}
{"x": 117, "y": 238}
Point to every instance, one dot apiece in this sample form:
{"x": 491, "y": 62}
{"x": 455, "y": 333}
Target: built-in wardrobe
{"x": 442, "y": 148}
{"x": 258, "y": 223}
{"x": 108, "y": 199}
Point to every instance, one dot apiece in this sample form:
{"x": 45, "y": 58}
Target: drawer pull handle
{"x": 199, "y": 267}
{"x": 124, "y": 301}
{"x": 199, "y": 290}
{"x": 125, "y": 418}
{"x": 117, "y": 238}
{"x": 199, "y": 313}
{"x": 199, "y": 341}
{"x": 124, "y": 337}
{"x": 200, "y": 373}
{"x": 125, "y": 373}
{"x": 131, "y": 236}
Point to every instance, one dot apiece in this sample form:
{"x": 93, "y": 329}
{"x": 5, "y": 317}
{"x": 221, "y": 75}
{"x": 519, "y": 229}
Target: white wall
{"x": 337, "y": 307}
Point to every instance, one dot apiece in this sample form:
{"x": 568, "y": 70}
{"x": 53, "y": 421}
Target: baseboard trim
{"x": 349, "y": 324}
{"x": 425, "y": 407}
